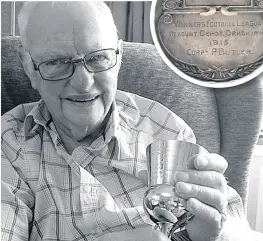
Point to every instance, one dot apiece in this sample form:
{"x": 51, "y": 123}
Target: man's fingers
{"x": 205, "y": 212}
{"x": 206, "y": 195}
{"x": 163, "y": 214}
{"x": 203, "y": 178}
{"x": 210, "y": 162}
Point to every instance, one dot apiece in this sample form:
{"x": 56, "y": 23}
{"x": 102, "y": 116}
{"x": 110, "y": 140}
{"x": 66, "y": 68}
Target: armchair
{"x": 225, "y": 121}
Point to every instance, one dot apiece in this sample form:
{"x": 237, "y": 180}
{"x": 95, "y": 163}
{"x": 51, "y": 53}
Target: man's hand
{"x": 204, "y": 189}
{"x": 139, "y": 234}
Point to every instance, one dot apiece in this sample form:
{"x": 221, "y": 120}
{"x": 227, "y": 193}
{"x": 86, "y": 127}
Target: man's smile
{"x": 82, "y": 101}
{"x": 82, "y": 98}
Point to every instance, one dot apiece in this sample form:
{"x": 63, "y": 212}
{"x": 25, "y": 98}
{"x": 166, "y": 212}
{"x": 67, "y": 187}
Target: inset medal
{"x": 210, "y": 43}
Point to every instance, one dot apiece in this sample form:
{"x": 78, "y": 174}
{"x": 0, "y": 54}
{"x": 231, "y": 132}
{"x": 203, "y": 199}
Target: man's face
{"x": 84, "y": 99}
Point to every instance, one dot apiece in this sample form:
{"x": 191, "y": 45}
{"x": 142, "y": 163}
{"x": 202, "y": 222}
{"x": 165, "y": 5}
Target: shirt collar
{"x": 112, "y": 125}
{"x": 38, "y": 116}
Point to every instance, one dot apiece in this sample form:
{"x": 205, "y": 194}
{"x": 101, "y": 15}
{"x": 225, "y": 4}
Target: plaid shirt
{"x": 48, "y": 194}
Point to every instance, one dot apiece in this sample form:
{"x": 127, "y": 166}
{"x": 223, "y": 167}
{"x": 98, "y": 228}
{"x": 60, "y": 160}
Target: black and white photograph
{"x": 132, "y": 120}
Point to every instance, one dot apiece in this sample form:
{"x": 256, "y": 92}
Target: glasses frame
{"x": 75, "y": 61}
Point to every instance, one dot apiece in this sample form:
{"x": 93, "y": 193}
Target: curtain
{"x": 132, "y": 20}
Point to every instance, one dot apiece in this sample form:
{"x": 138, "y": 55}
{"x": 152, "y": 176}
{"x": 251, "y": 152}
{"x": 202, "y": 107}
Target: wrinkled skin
{"x": 204, "y": 188}
{"x": 71, "y": 32}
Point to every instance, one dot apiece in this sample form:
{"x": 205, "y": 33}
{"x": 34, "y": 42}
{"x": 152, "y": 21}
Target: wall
{"x": 255, "y": 196}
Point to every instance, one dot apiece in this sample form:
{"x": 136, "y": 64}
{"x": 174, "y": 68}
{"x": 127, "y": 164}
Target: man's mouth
{"x": 82, "y": 99}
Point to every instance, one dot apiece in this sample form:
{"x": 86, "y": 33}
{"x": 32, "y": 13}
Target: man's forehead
{"x": 50, "y": 49}
{"x": 75, "y": 10}
{"x": 60, "y": 22}
{"x": 60, "y": 27}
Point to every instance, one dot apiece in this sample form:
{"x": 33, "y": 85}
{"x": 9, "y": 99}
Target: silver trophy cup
{"x": 161, "y": 203}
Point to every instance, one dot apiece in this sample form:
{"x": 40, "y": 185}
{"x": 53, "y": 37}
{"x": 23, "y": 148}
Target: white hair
{"x": 29, "y": 7}
{"x": 23, "y": 20}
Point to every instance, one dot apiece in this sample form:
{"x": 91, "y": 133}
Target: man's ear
{"x": 28, "y": 65}
{"x": 120, "y": 48}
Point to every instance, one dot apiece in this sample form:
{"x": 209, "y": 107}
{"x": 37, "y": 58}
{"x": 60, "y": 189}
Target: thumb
{"x": 143, "y": 176}
{"x": 191, "y": 162}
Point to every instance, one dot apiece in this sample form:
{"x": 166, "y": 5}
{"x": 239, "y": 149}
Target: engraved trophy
{"x": 161, "y": 202}
{"x": 212, "y": 43}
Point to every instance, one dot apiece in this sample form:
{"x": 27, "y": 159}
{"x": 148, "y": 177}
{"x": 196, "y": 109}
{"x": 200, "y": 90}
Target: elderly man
{"x": 73, "y": 162}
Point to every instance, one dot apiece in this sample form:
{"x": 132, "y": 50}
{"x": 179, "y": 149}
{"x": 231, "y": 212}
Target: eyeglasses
{"x": 63, "y": 68}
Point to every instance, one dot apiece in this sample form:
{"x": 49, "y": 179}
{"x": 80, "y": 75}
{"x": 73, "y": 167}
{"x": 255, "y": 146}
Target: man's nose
{"x": 82, "y": 79}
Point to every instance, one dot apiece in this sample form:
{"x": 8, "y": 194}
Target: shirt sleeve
{"x": 235, "y": 212}
{"x": 17, "y": 198}
{"x": 186, "y": 134}
{"x": 17, "y": 204}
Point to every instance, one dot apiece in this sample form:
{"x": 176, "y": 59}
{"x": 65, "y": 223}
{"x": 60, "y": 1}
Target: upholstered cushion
{"x": 225, "y": 121}
{"x": 15, "y": 86}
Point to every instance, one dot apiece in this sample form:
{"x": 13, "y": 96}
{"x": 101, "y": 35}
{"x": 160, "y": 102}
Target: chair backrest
{"x": 225, "y": 121}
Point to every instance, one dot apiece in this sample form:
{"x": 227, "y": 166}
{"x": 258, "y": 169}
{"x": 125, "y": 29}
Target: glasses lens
{"x": 101, "y": 60}
{"x": 56, "y": 69}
